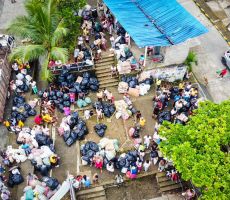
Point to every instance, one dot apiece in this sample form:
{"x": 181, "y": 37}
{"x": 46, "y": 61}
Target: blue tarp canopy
{"x": 155, "y": 22}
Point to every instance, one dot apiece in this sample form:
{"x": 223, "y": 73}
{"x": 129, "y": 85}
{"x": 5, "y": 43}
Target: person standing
{"x": 146, "y": 165}
{"x": 34, "y": 87}
{"x": 223, "y": 72}
{"x": 147, "y": 140}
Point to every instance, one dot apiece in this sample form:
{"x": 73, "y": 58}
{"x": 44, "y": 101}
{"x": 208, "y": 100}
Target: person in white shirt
{"x": 110, "y": 167}
{"x": 146, "y": 165}
{"x": 147, "y": 140}
{"x": 34, "y": 87}
{"x": 15, "y": 67}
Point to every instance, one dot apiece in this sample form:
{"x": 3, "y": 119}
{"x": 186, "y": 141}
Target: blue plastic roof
{"x": 155, "y": 22}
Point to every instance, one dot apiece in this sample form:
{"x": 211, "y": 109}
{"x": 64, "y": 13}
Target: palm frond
{"x": 46, "y": 74}
{"x": 58, "y": 53}
{"x": 27, "y": 53}
{"x": 59, "y": 34}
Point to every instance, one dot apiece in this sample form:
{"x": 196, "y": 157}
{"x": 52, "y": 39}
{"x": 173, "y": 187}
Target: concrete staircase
{"x": 103, "y": 71}
{"x": 94, "y": 193}
{"x": 165, "y": 184}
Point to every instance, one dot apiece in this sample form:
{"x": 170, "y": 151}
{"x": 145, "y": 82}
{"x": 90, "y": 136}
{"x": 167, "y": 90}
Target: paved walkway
{"x": 9, "y": 11}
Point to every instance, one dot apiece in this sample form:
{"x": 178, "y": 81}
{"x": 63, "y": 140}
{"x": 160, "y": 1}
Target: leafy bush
{"x": 191, "y": 58}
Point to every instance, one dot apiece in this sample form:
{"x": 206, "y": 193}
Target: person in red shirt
{"x": 38, "y": 119}
{"x": 223, "y": 72}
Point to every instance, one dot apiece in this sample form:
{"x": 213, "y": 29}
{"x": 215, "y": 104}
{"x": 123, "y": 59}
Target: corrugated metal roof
{"x": 155, "y": 22}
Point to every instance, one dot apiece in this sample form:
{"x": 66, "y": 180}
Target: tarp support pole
{"x": 146, "y": 49}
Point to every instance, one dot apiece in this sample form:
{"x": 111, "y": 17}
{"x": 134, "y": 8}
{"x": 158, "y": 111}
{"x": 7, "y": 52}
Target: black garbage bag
{"x": 123, "y": 79}
{"x": 112, "y": 109}
{"x": 75, "y": 115}
{"x": 85, "y": 81}
{"x": 86, "y": 75}
{"x": 51, "y": 182}
{"x": 15, "y": 179}
{"x": 97, "y": 105}
{"x": 69, "y": 141}
{"x": 100, "y": 132}
{"x": 87, "y": 146}
{"x": 41, "y": 139}
{"x": 128, "y": 79}
{"x": 21, "y": 117}
{"x": 25, "y": 114}
{"x": 33, "y": 162}
{"x": 93, "y": 146}
{"x": 133, "y": 110}
{"x": 44, "y": 170}
{"x": 81, "y": 135}
{"x": 105, "y": 161}
{"x": 164, "y": 116}
{"x": 130, "y": 158}
{"x": 32, "y": 112}
{"x": 70, "y": 78}
{"x": 19, "y": 100}
{"x": 90, "y": 153}
{"x": 72, "y": 122}
{"x": 85, "y": 158}
{"x": 121, "y": 162}
{"x": 94, "y": 88}
{"x": 14, "y": 114}
{"x": 61, "y": 108}
{"x": 74, "y": 135}
{"x": 52, "y": 93}
{"x": 66, "y": 97}
{"x": 66, "y": 104}
{"x": 136, "y": 134}
{"x": 27, "y": 107}
{"x": 153, "y": 154}
{"x": 132, "y": 84}
{"x": 59, "y": 94}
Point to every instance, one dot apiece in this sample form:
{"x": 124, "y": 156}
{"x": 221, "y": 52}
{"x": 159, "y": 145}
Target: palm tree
{"x": 44, "y": 30}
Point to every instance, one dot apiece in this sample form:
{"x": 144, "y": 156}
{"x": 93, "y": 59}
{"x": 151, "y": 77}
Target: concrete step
{"x": 162, "y": 179}
{"x": 160, "y": 174}
{"x": 108, "y": 77}
{"x": 108, "y": 81}
{"x": 107, "y": 74}
{"x": 104, "y": 64}
{"x": 108, "y": 85}
{"x": 170, "y": 187}
{"x": 92, "y": 195}
{"x": 101, "y": 71}
{"x": 105, "y": 59}
{"x": 90, "y": 191}
{"x": 166, "y": 183}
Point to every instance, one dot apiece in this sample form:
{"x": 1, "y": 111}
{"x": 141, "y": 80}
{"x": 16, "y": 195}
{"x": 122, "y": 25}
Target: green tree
{"x": 199, "y": 151}
{"x": 68, "y": 12}
{"x": 45, "y": 30}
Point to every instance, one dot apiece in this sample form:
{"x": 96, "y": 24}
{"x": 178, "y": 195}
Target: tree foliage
{"x": 68, "y": 12}
{"x": 198, "y": 149}
{"x": 45, "y": 30}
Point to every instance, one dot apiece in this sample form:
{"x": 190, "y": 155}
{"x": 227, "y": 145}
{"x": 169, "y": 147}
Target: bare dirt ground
{"x": 143, "y": 188}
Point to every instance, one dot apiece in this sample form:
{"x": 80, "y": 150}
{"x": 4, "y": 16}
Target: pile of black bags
{"x": 88, "y": 151}
{"x": 44, "y": 140}
{"x": 66, "y": 79}
{"x": 51, "y": 182}
{"x": 127, "y": 161}
{"x": 100, "y": 129}
{"x": 15, "y": 179}
{"x": 21, "y": 110}
{"x": 133, "y": 81}
{"x": 78, "y": 129}
{"x": 164, "y": 116}
{"x": 107, "y": 108}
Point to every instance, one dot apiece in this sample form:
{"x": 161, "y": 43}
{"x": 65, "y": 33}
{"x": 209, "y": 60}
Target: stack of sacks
{"x": 110, "y": 146}
{"x": 126, "y": 160}
{"x": 143, "y": 89}
{"x": 21, "y": 110}
{"x": 100, "y": 129}
{"x": 124, "y": 110}
{"x": 17, "y": 155}
{"x": 22, "y": 82}
{"x": 107, "y": 108}
{"x": 123, "y": 87}
{"x": 44, "y": 189}
{"x": 72, "y": 128}
{"x": 124, "y": 67}
{"x": 88, "y": 151}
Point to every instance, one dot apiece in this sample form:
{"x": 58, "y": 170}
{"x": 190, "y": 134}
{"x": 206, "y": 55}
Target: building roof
{"x": 155, "y": 22}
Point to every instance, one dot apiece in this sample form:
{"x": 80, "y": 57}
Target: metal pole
{"x": 146, "y": 48}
